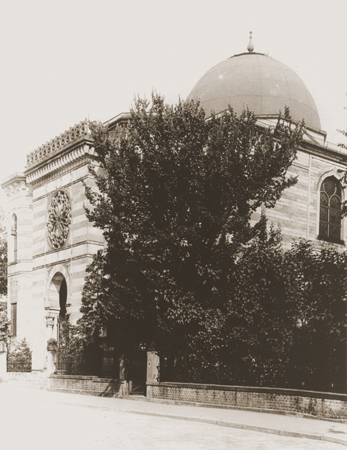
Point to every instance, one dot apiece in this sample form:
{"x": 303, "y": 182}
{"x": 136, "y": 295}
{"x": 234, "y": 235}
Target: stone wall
{"x": 87, "y": 385}
{"x": 35, "y": 380}
{"x": 318, "y": 404}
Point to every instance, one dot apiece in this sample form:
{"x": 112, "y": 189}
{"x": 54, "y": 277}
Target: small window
{"x": 330, "y": 211}
{"x": 14, "y": 236}
{"x": 14, "y": 319}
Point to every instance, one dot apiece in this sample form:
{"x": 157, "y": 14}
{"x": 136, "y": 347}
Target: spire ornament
{"x": 250, "y": 46}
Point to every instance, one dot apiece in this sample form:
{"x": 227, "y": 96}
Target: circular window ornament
{"x": 59, "y": 219}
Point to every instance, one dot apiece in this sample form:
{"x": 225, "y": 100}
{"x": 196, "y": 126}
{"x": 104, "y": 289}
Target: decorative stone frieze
{"x": 57, "y": 144}
{"x": 66, "y": 161}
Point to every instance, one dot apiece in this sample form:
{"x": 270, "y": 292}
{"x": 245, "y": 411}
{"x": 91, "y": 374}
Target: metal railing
{"x": 18, "y": 366}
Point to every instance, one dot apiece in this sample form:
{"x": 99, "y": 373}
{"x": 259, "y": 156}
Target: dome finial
{"x": 250, "y": 46}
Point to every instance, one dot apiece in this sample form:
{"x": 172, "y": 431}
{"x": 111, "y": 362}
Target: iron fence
{"x": 18, "y": 366}
{"x": 74, "y": 367}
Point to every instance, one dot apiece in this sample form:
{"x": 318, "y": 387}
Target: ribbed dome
{"x": 258, "y": 82}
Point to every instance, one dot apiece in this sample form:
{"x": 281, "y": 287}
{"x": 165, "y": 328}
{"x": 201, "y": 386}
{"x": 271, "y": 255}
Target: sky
{"x": 66, "y": 61}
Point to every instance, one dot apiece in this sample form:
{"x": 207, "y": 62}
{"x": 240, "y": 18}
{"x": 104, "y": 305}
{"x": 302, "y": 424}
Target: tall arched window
{"x": 14, "y": 236}
{"x": 62, "y": 299}
{"x": 330, "y": 211}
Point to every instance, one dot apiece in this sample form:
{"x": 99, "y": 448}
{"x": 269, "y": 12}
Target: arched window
{"x": 14, "y": 236}
{"x": 14, "y": 319}
{"x": 62, "y": 299}
{"x": 330, "y": 211}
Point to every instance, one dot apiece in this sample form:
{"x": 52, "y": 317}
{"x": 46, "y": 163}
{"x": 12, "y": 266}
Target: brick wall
{"x": 319, "y": 404}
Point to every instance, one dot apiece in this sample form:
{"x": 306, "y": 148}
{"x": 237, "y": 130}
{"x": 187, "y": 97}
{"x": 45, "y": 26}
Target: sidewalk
{"x": 285, "y": 425}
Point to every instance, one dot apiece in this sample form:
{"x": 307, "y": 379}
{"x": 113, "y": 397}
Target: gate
{"x": 138, "y": 373}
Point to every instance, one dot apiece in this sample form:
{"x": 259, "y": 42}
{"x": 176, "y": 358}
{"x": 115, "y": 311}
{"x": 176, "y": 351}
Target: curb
{"x": 222, "y": 423}
{"x": 237, "y": 408}
{"x": 240, "y": 426}
{"x": 218, "y": 422}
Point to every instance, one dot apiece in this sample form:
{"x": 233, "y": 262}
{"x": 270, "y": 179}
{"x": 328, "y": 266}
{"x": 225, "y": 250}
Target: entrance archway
{"x": 56, "y": 303}
{"x": 57, "y": 295}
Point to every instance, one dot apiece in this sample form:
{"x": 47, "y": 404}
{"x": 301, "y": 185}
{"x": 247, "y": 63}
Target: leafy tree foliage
{"x": 4, "y": 323}
{"x": 75, "y": 356}
{"x": 184, "y": 270}
{"x": 175, "y": 198}
{"x": 284, "y": 324}
{"x": 19, "y": 357}
{"x": 319, "y": 348}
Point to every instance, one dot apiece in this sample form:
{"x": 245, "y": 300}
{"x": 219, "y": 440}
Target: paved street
{"x": 44, "y": 420}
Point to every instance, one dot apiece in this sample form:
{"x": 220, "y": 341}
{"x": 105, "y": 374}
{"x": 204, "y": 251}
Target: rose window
{"x": 59, "y": 219}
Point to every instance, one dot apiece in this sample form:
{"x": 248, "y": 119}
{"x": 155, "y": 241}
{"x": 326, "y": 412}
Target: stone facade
{"x": 298, "y": 211}
{"x": 41, "y": 268}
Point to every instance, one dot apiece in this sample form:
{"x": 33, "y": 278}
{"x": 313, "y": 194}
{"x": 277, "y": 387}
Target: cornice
{"x": 67, "y": 159}
{"x": 120, "y": 119}
{"x": 333, "y": 154}
{"x": 63, "y": 261}
{"x": 68, "y": 247}
{"x": 16, "y": 184}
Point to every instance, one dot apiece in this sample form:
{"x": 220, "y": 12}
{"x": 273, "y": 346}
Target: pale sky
{"x": 69, "y": 60}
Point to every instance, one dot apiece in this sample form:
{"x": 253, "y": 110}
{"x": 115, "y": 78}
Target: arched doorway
{"x": 56, "y": 302}
{"x": 57, "y": 294}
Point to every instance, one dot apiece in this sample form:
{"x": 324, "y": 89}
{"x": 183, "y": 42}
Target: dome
{"x": 259, "y": 83}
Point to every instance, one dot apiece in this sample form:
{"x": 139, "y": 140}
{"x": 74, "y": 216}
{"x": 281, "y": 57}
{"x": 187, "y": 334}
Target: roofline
{"x": 122, "y": 117}
{"x": 249, "y": 53}
{"x": 275, "y": 116}
{"x": 17, "y": 176}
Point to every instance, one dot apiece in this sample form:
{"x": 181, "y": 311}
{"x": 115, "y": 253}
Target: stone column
{"x": 51, "y": 355}
{"x": 50, "y": 325}
{"x": 3, "y": 360}
{"x": 51, "y": 361}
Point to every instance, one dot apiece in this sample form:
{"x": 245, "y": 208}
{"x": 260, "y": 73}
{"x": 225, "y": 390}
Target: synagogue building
{"x": 51, "y": 241}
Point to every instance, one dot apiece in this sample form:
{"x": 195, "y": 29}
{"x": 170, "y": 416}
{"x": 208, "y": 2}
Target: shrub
{"x": 19, "y": 357}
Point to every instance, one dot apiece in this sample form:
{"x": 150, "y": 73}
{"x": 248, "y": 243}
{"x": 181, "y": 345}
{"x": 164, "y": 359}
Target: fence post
{"x": 3, "y": 360}
{"x": 153, "y": 370}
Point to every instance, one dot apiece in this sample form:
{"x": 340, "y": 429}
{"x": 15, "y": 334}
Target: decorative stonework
{"x": 59, "y": 219}
{"x": 60, "y": 166}
{"x": 49, "y": 321}
{"x": 15, "y": 185}
{"x": 59, "y": 143}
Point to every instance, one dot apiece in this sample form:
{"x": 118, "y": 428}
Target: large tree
{"x": 176, "y": 193}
